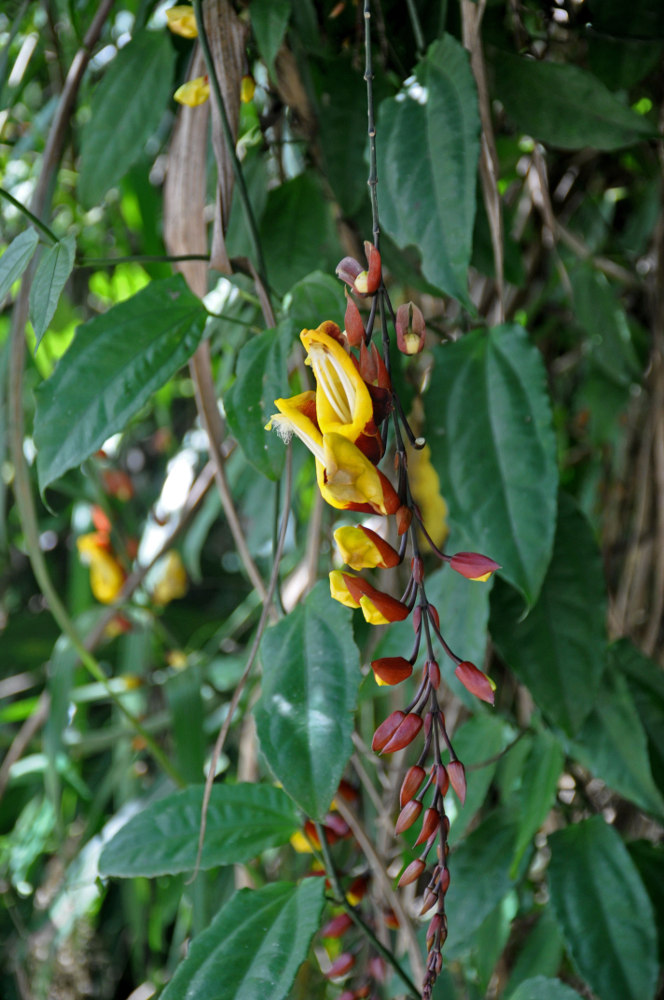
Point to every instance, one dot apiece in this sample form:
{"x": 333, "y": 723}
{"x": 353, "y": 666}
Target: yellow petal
{"x": 339, "y": 591}
{"x": 193, "y": 93}
{"x": 357, "y": 550}
{"x": 247, "y": 89}
{"x": 425, "y": 487}
{"x": 371, "y": 613}
{"x": 182, "y": 21}
{"x": 172, "y": 584}
{"x": 346, "y": 476}
{"x": 343, "y": 403}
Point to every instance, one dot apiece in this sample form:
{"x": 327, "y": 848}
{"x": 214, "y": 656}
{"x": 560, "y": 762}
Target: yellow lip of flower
{"x": 293, "y": 419}
{"x": 346, "y": 476}
{"x": 182, "y": 21}
{"x": 339, "y": 590}
{"x": 193, "y": 92}
{"x": 106, "y": 573}
{"x": 425, "y": 487}
{"x": 172, "y": 584}
{"x": 343, "y": 403}
{"x": 362, "y": 548}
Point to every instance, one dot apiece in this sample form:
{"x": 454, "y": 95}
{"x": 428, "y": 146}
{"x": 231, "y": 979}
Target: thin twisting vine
{"x": 346, "y": 423}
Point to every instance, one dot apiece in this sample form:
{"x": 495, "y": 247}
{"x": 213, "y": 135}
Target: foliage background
{"x": 520, "y": 194}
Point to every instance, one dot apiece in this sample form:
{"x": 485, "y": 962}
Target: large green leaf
{"x": 316, "y": 298}
{"x": 612, "y": 743}
{"x": 127, "y": 106}
{"x": 539, "y": 955}
{"x": 16, "y": 258}
{"x": 558, "y": 651}
{"x": 114, "y": 364}
{"x": 50, "y": 278}
{"x": 310, "y": 681}
{"x": 262, "y": 377}
{"x": 242, "y": 821}
{"x": 646, "y": 683}
{"x": 253, "y": 947}
{"x": 342, "y": 122}
{"x": 603, "y": 911}
{"x": 605, "y": 323}
{"x": 564, "y": 105}
{"x": 538, "y": 790}
{"x": 296, "y": 232}
{"x": 480, "y": 880}
{"x": 269, "y": 20}
{"x": 541, "y": 988}
{"x": 428, "y": 149}
{"x": 649, "y": 860}
{"x": 492, "y": 443}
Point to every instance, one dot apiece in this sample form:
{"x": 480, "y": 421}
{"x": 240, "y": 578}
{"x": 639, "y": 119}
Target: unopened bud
{"x": 433, "y": 671}
{"x": 412, "y": 872}
{"x": 415, "y": 775}
{"x": 341, "y": 966}
{"x": 353, "y": 323}
{"x": 429, "y": 826}
{"x": 386, "y": 730}
{"x": 457, "y": 775}
{"x": 404, "y": 734}
{"x": 337, "y": 926}
{"x": 408, "y": 816}
{"x": 410, "y": 329}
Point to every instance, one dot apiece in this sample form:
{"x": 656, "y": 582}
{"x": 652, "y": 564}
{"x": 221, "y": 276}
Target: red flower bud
{"x": 341, "y": 966}
{"x": 374, "y": 273}
{"x": 412, "y": 872}
{"x": 475, "y": 681}
{"x": 434, "y": 928}
{"x": 442, "y": 779}
{"x": 417, "y": 569}
{"x": 337, "y": 825}
{"x": 457, "y": 775}
{"x": 410, "y": 329}
{"x": 404, "y": 734}
{"x": 433, "y": 615}
{"x": 444, "y": 880}
{"x": 392, "y": 669}
{"x": 428, "y": 901}
{"x": 386, "y": 730}
{"x": 390, "y": 920}
{"x": 408, "y": 816}
{"x": 429, "y": 826}
{"x": 415, "y": 775}
{"x": 404, "y": 518}
{"x": 473, "y": 565}
{"x": 417, "y": 618}
{"x": 433, "y": 671}
{"x": 353, "y": 323}
{"x": 337, "y": 926}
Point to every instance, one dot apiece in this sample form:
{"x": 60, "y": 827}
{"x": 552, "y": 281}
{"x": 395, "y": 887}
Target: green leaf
{"x": 480, "y": 880}
{"x": 539, "y": 955}
{"x": 316, "y": 298}
{"x": 16, "y": 258}
{"x": 269, "y": 20}
{"x": 609, "y": 337}
{"x": 242, "y": 821}
{"x": 262, "y": 377}
{"x": 646, "y": 683}
{"x": 541, "y": 988}
{"x": 488, "y": 422}
{"x": 649, "y": 860}
{"x": 427, "y": 165}
{"x": 538, "y": 790}
{"x": 296, "y": 232}
{"x": 612, "y": 743}
{"x": 476, "y": 741}
{"x": 50, "y": 278}
{"x": 603, "y": 911}
{"x": 304, "y": 716}
{"x": 253, "y": 947}
{"x": 558, "y": 651}
{"x": 126, "y": 109}
{"x": 113, "y": 365}
{"x": 564, "y": 105}
{"x": 342, "y": 123}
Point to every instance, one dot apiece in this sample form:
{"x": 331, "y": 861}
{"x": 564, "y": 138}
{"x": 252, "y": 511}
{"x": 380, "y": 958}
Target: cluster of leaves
{"x": 519, "y": 187}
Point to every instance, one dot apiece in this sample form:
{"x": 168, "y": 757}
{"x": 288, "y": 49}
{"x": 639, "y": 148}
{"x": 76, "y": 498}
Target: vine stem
{"x": 373, "y": 170}
{"x": 340, "y": 897}
{"x": 22, "y": 488}
{"x": 28, "y": 214}
{"x": 262, "y": 624}
{"x": 230, "y": 143}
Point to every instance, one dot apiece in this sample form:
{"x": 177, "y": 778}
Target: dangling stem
{"x": 373, "y": 171}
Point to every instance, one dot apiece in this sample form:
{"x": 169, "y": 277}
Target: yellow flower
{"x": 339, "y": 589}
{"x": 247, "y": 88}
{"x": 362, "y": 548}
{"x": 194, "y": 92}
{"x": 296, "y": 416}
{"x": 349, "y": 481}
{"x": 425, "y": 487}
{"x": 182, "y": 21}
{"x": 343, "y": 403}
{"x": 106, "y": 573}
{"x": 172, "y": 583}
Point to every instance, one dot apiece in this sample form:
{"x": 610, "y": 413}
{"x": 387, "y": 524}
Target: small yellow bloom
{"x": 106, "y": 573}
{"x": 182, "y": 21}
{"x": 247, "y": 88}
{"x": 194, "y": 92}
{"x": 339, "y": 589}
{"x": 301, "y": 843}
{"x": 362, "y": 548}
{"x": 172, "y": 583}
{"x": 425, "y": 487}
{"x": 347, "y": 477}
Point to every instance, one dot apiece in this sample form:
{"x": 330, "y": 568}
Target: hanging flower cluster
{"x": 344, "y": 423}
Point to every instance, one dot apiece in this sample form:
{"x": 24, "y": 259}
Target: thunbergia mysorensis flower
{"x": 344, "y": 422}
